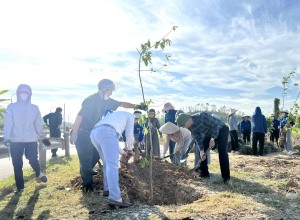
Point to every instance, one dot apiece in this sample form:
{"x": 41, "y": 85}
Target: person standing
{"x": 233, "y": 128}
{"x": 53, "y": 120}
{"x": 203, "y": 125}
{"x": 170, "y": 116}
{"x": 246, "y": 129}
{"x": 92, "y": 110}
{"x": 275, "y": 130}
{"x": 105, "y": 137}
{"x": 258, "y": 131}
{"x": 154, "y": 126}
{"x": 22, "y": 129}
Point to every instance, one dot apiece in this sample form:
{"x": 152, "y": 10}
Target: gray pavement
{"x": 6, "y": 167}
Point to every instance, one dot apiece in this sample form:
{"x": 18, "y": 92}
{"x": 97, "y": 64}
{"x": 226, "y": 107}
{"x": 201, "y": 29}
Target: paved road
{"x": 6, "y": 167}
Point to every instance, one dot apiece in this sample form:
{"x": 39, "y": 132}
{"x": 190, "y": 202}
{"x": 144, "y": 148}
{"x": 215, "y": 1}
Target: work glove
{"x": 7, "y": 142}
{"x": 46, "y": 142}
{"x": 141, "y": 107}
{"x": 73, "y": 137}
{"x": 129, "y": 143}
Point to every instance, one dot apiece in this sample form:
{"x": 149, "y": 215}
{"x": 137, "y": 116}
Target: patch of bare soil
{"x": 171, "y": 184}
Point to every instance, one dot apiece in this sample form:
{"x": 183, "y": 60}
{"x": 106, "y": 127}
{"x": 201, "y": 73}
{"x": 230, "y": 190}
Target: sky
{"x": 224, "y": 52}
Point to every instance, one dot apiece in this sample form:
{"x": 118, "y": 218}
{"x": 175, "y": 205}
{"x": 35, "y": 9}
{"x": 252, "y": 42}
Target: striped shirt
{"x": 205, "y": 125}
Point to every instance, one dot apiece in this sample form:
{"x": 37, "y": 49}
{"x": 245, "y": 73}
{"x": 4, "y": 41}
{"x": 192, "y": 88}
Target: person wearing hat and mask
{"x": 246, "y": 129}
{"x": 53, "y": 120}
{"x": 233, "y": 128}
{"x": 258, "y": 131}
{"x": 170, "y": 116}
{"x": 275, "y": 130}
{"x": 181, "y": 136}
{"x": 154, "y": 126}
{"x": 203, "y": 125}
{"x": 285, "y": 131}
{"x": 92, "y": 110}
{"x": 22, "y": 129}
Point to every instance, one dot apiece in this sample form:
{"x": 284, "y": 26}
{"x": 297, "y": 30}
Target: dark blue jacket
{"x": 276, "y": 124}
{"x": 259, "y": 121}
{"x": 245, "y": 126}
{"x": 170, "y": 116}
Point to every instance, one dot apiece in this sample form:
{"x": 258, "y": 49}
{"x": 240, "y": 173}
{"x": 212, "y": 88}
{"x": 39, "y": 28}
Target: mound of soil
{"x": 171, "y": 184}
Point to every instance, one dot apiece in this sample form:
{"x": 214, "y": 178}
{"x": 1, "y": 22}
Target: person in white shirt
{"x": 105, "y": 137}
{"x": 181, "y": 136}
{"x": 233, "y": 128}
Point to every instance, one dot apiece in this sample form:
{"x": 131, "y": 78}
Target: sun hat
{"x": 168, "y": 106}
{"x": 246, "y": 116}
{"x": 232, "y": 111}
{"x": 169, "y": 128}
{"x": 284, "y": 111}
{"x": 182, "y": 119}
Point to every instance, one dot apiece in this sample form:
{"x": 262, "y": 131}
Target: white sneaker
{"x": 291, "y": 152}
{"x": 284, "y": 151}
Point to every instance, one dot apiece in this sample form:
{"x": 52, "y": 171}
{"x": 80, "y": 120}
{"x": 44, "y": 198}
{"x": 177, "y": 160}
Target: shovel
{"x": 197, "y": 167}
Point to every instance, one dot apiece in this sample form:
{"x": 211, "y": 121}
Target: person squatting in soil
{"x": 204, "y": 125}
{"x": 275, "y": 130}
{"x": 258, "y": 131}
{"x": 138, "y": 139}
{"x": 170, "y": 116}
{"x": 246, "y": 129}
{"x": 105, "y": 137}
{"x": 22, "y": 129}
{"x": 154, "y": 126}
{"x": 233, "y": 129}
{"x": 181, "y": 136}
{"x": 92, "y": 110}
{"x": 53, "y": 120}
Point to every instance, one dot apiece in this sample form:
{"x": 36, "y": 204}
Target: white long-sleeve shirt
{"x": 121, "y": 121}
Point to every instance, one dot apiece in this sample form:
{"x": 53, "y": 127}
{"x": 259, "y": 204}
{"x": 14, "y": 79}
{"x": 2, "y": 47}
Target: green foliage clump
{"x": 245, "y": 149}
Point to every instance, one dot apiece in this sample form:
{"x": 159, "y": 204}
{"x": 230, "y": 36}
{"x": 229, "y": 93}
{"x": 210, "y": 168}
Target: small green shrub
{"x": 245, "y": 149}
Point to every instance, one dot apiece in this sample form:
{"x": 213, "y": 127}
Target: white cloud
{"x": 63, "y": 48}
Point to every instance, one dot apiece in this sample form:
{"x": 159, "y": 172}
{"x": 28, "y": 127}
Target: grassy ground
{"x": 258, "y": 190}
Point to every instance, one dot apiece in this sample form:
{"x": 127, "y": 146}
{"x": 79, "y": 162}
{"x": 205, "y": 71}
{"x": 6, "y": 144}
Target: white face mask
{"x": 24, "y": 96}
{"x": 105, "y": 96}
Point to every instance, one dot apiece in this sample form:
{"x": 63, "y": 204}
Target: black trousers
{"x": 260, "y": 138}
{"x": 274, "y": 135}
{"x": 221, "y": 141}
{"x": 246, "y": 136}
{"x": 234, "y": 140}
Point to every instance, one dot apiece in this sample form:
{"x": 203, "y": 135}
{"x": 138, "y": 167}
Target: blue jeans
{"x": 171, "y": 150}
{"x": 182, "y": 153}
{"x": 106, "y": 141}
{"x": 88, "y": 157}
{"x": 31, "y": 153}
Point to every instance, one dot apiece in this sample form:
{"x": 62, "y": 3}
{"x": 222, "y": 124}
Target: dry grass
{"x": 257, "y": 191}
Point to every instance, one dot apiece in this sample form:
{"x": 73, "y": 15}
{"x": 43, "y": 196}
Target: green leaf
{"x": 3, "y": 91}
{"x": 174, "y": 28}
{"x": 146, "y": 131}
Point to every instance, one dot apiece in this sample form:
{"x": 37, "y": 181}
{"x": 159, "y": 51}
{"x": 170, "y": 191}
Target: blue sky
{"x": 224, "y": 52}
